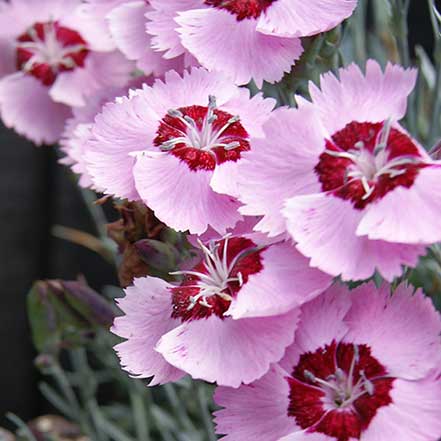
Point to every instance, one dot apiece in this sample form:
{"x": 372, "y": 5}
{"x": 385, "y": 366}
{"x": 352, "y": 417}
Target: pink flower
{"x": 233, "y": 314}
{"x": 364, "y": 365}
{"x": 346, "y": 180}
{"x": 124, "y": 22}
{"x": 234, "y": 37}
{"x": 239, "y": 37}
{"x": 176, "y": 145}
{"x": 50, "y": 65}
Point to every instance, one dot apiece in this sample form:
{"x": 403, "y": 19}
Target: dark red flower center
{"x": 242, "y": 9}
{"x": 47, "y": 49}
{"x": 211, "y": 285}
{"x": 201, "y": 136}
{"x": 365, "y": 161}
{"x": 337, "y": 390}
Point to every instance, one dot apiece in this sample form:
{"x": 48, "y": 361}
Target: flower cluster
{"x": 280, "y": 205}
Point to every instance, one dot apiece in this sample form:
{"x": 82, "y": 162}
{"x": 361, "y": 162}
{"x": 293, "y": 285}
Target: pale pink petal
{"x": 183, "y": 198}
{"x": 101, "y": 70}
{"x": 243, "y": 228}
{"x": 147, "y": 307}
{"x": 18, "y": 15}
{"x": 280, "y": 166}
{"x": 122, "y": 128}
{"x": 191, "y": 88}
{"x": 73, "y": 144}
{"x": 90, "y": 20}
{"x": 220, "y": 42}
{"x": 8, "y": 57}
{"x": 304, "y": 435}
{"x": 9, "y": 30}
{"x": 14, "y": 19}
{"x": 78, "y": 132}
{"x": 286, "y": 282}
{"x": 297, "y": 18}
{"x": 127, "y": 25}
{"x": 321, "y": 322}
{"x": 94, "y": 25}
{"x": 397, "y": 217}
{"x": 227, "y": 351}
{"x": 324, "y": 228}
{"x": 403, "y": 331}
{"x": 225, "y": 178}
{"x": 26, "y": 106}
{"x": 373, "y": 97}
{"x": 255, "y": 412}
{"x": 163, "y": 27}
{"x": 413, "y": 415}
{"x": 254, "y": 112}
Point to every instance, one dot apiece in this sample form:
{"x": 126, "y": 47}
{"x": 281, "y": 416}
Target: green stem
{"x": 87, "y": 388}
{"x": 205, "y": 412}
{"x": 436, "y": 108}
{"x": 359, "y": 32}
{"x": 111, "y": 430}
{"x": 22, "y": 426}
{"x": 96, "y": 212}
{"x": 178, "y": 408}
{"x": 401, "y": 10}
{"x": 56, "y": 400}
{"x": 139, "y": 413}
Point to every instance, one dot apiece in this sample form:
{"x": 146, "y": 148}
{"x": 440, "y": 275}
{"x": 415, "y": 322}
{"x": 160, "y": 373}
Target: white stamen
{"x": 205, "y": 138}
{"x": 49, "y": 50}
{"x": 215, "y": 282}
{"x": 368, "y": 167}
{"x": 339, "y": 387}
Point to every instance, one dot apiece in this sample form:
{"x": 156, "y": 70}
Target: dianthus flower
{"x": 176, "y": 145}
{"x": 238, "y": 37}
{"x": 364, "y": 366}
{"x": 51, "y": 60}
{"x": 345, "y": 179}
{"x": 231, "y": 316}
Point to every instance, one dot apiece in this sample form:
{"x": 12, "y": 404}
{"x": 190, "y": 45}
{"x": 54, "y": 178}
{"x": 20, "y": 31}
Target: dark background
{"x": 37, "y": 193}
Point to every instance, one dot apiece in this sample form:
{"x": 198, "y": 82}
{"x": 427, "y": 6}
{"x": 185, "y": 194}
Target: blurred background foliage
{"x": 80, "y": 377}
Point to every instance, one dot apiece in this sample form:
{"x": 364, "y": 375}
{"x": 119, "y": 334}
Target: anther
{"x": 368, "y": 385}
{"x": 384, "y": 136}
{"x": 309, "y": 376}
{"x": 340, "y": 374}
{"x": 190, "y": 120}
{"x": 232, "y": 145}
{"x": 175, "y": 113}
{"x": 212, "y": 101}
{"x": 356, "y": 353}
{"x": 212, "y": 119}
{"x": 240, "y": 278}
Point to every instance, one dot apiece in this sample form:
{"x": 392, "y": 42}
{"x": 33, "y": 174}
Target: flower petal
{"x": 384, "y": 220}
{"x": 257, "y": 412}
{"x": 26, "y": 106}
{"x": 148, "y": 308}
{"x": 181, "y": 197}
{"x": 229, "y": 352}
{"x": 403, "y": 330}
{"x": 285, "y": 282}
{"x": 220, "y": 42}
{"x": 324, "y": 228}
